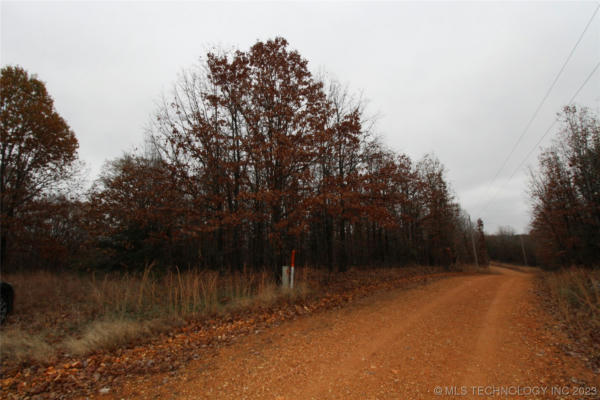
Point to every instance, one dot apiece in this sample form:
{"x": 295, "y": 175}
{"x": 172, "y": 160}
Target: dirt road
{"x": 479, "y": 336}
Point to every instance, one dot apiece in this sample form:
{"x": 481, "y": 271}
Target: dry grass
{"x": 18, "y": 345}
{"x": 575, "y": 295}
{"x": 110, "y": 334}
{"x": 80, "y": 313}
{"x": 69, "y": 313}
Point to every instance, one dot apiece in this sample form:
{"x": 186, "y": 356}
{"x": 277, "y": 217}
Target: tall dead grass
{"x": 575, "y": 294}
{"x": 79, "y": 313}
{"x": 75, "y": 314}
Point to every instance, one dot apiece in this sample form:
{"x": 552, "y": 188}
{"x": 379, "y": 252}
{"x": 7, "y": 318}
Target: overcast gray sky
{"x": 458, "y": 79}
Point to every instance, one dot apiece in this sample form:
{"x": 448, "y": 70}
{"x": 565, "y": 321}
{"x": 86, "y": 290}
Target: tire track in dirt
{"x": 393, "y": 338}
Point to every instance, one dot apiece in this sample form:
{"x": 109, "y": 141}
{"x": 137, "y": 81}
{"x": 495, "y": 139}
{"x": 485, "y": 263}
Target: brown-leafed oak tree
{"x": 37, "y": 148}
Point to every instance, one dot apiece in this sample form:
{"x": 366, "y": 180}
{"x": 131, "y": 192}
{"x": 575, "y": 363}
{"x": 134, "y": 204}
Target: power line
{"x": 542, "y": 137}
{"x": 553, "y": 123}
{"x": 539, "y": 107}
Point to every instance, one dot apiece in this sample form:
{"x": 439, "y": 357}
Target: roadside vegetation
{"x": 76, "y": 313}
{"x": 565, "y": 194}
{"x": 574, "y": 298}
{"x": 66, "y": 315}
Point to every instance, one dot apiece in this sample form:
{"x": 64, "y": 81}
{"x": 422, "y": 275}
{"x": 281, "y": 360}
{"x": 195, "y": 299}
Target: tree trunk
{"x": 343, "y": 260}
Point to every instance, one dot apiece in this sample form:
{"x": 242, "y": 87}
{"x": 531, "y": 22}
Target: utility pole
{"x": 523, "y": 249}
{"x": 473, "y": 242}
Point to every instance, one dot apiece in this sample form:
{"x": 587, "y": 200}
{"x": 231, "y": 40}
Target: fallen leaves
{"x": 75, "y": 377}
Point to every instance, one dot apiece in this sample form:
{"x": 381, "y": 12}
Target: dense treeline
{"x": 247, "y": 159}
{"x": 507, "y": 247}
{"x": 566, "y": 194}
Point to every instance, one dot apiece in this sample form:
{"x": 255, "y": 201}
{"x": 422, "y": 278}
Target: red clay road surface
{"x": 478, "y": 336}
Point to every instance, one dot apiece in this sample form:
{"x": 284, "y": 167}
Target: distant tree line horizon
{"x": 506, "y": 246}
{"x": 248, "y": 158}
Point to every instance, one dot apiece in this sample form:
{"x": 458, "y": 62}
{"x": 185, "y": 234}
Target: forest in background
{"x": 249, "y": 157}
{"x": 507, "y": 246}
